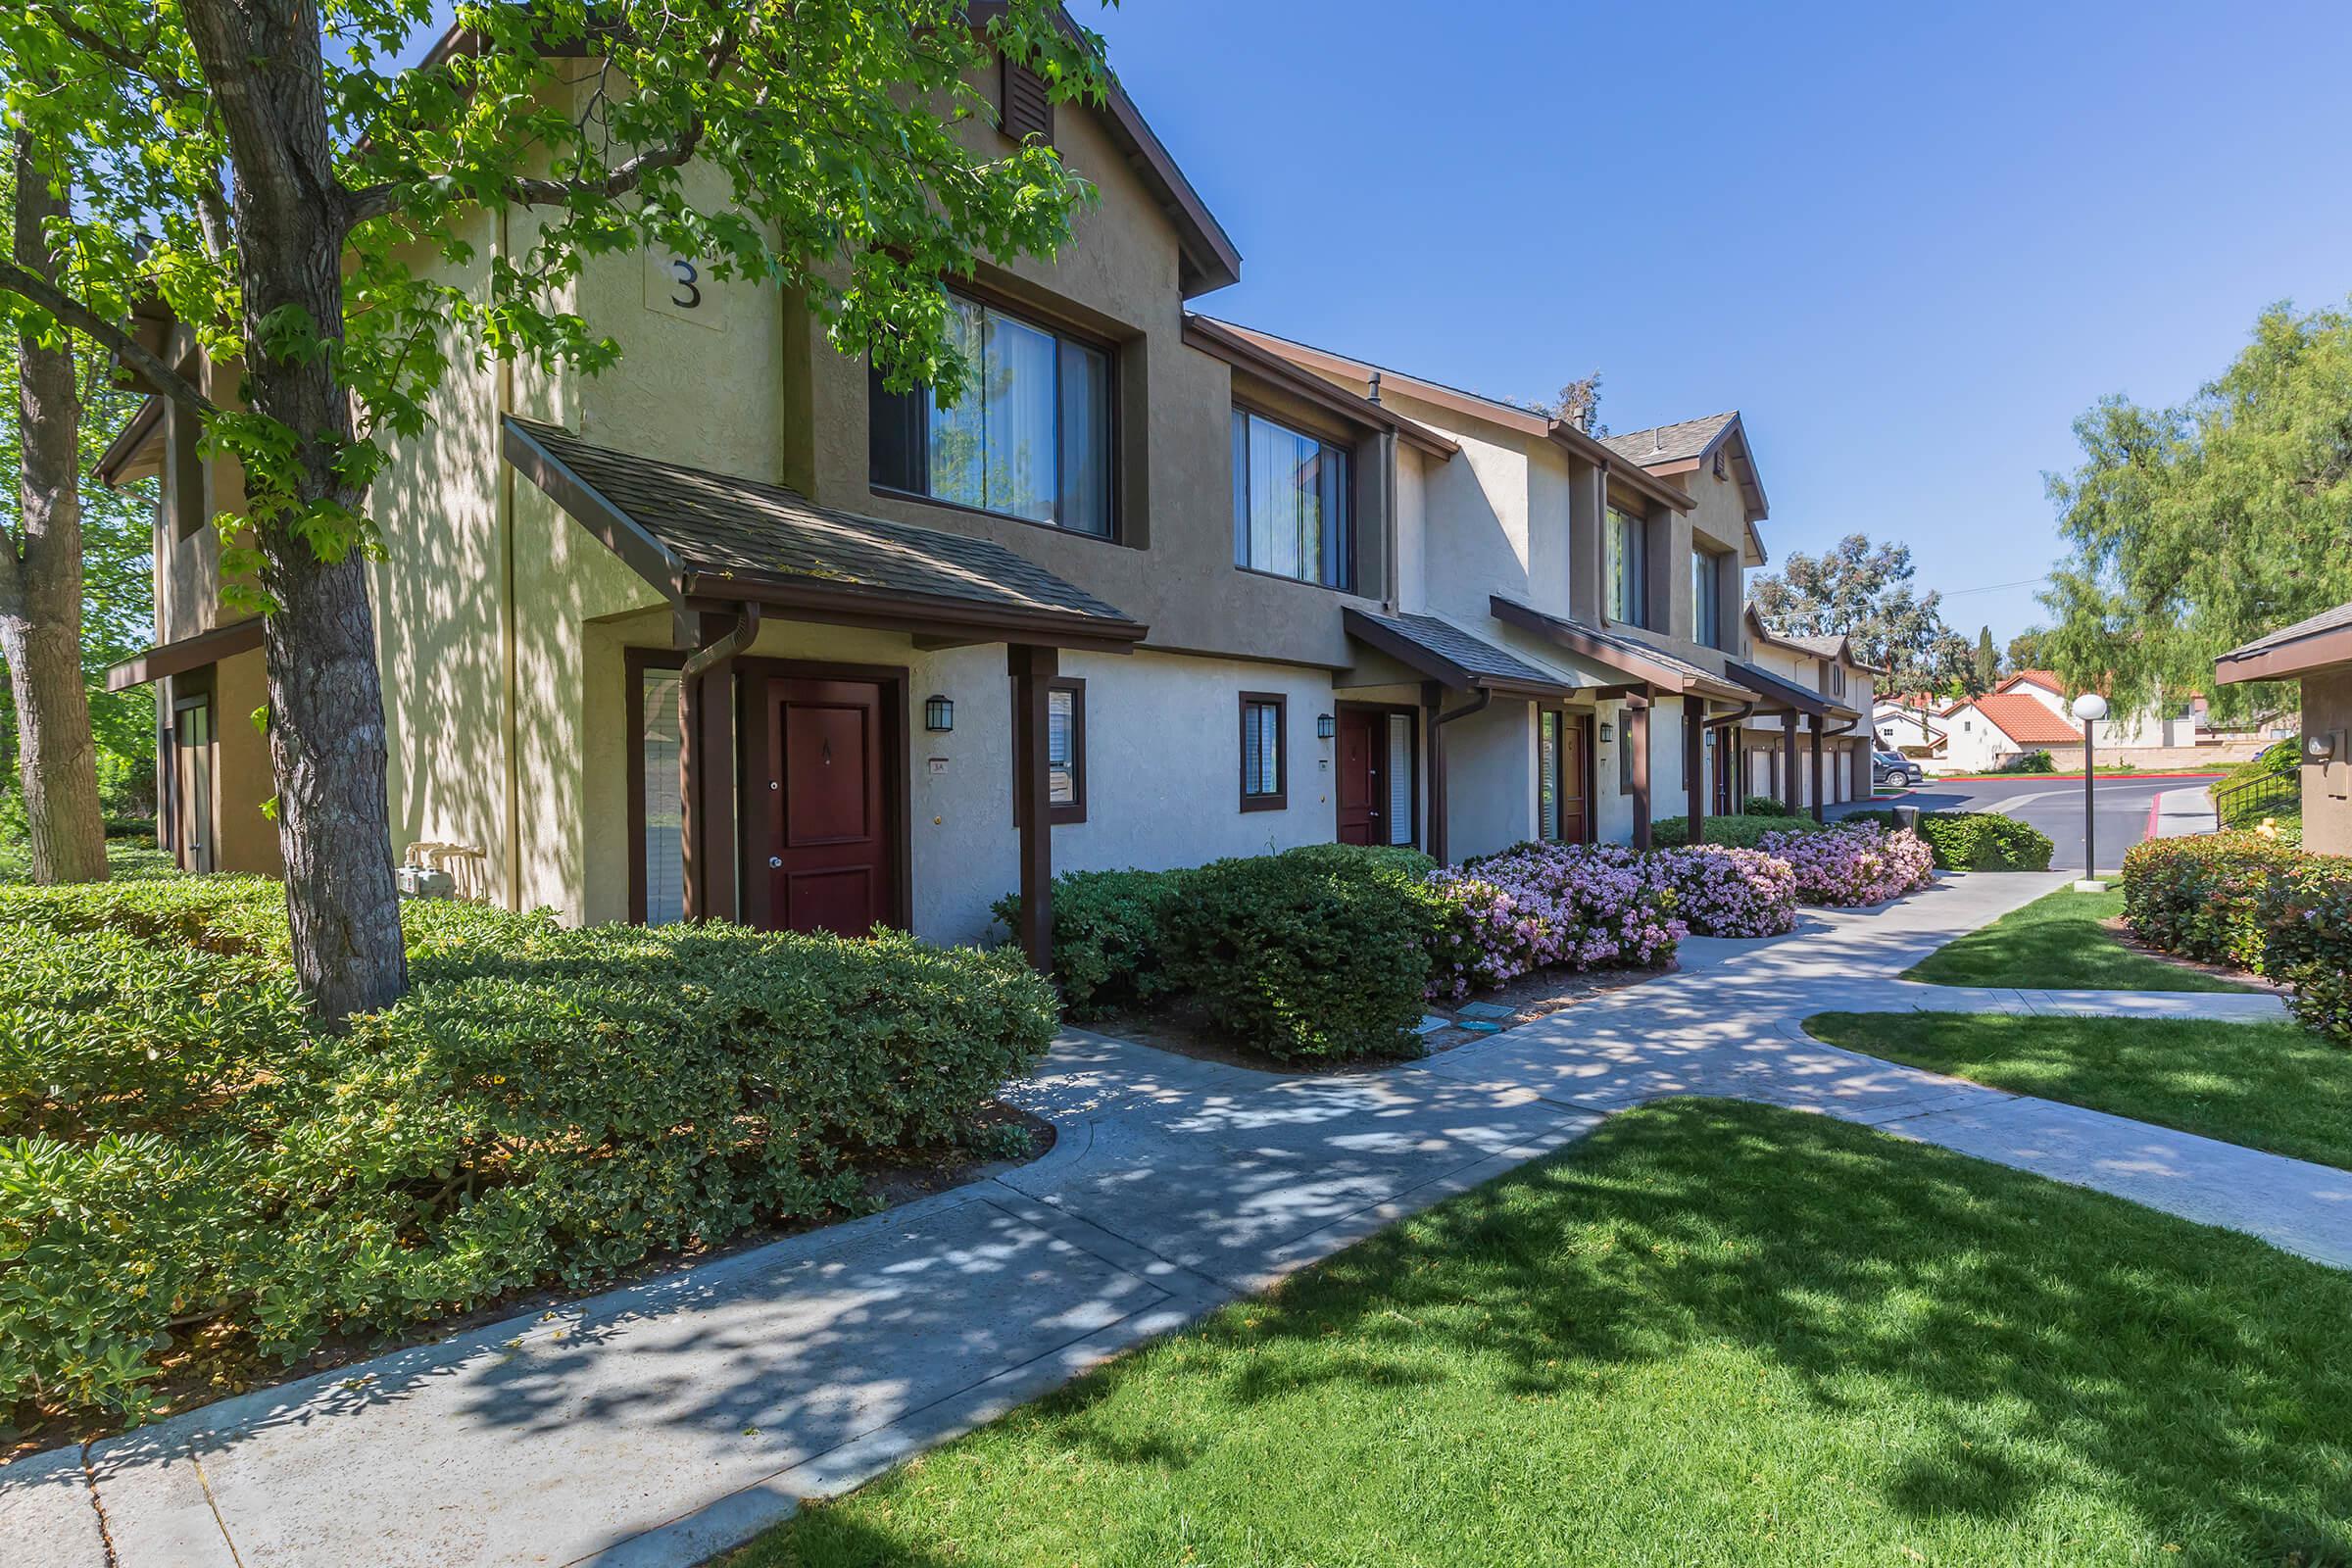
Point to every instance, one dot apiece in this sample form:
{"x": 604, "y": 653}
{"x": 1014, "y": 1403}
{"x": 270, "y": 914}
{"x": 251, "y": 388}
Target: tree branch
{"x": 120, "y": 56}
{"x": 71, "y": 312}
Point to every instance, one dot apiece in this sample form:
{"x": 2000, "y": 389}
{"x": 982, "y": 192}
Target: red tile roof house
{"x": 1985, "y": 732}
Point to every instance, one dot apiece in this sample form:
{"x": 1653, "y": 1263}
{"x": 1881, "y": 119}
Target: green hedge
{"x": 1976, "y": 841}
{"x": 2248, "y": 899}
{"x": 2033, "y": 762}
{"x": 187, "y": 1162}
{"x": 1316, "y": 954}
{"x": 1765, "y": 806}
{"x": 1737, "y": 832}
{"x": 1308, "y": 953}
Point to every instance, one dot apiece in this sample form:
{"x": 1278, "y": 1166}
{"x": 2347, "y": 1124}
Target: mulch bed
{"x": 2123, "y": 933}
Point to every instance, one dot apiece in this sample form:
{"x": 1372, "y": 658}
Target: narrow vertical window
{"x": 1707, "y": 601}
{"x": 1547, "y": 775}
{"x": 660, "y": 740}
{"x": 1400, "y": 778}
{"x": 1065, "y": 750}
{"x": 1628, "y": 568}
{"x": 1264, "y": 769}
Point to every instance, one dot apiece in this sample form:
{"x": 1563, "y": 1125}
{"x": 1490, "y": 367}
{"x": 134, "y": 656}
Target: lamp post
{"x": 2089, "y": 708}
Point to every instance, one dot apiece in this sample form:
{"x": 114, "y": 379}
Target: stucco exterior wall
{"x": 1489, "y": 779}
{"x": 2327, "y": 787}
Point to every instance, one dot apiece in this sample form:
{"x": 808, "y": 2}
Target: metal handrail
{"x": 2250, "y": 800}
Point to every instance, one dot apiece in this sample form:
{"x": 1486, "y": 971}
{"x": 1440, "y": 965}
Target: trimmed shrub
{"x": 1107, "y": 938}
{"x": 2250, "y": 901}
{"x": 1764, "y": 805}
{"x": 192, "y": 1158}
{"x": 1733, "y": 832}
{"x": 1305, "y": 956}
{"x": 1575, "y": 905}
{"x": 1852, "y": 866}
{"x": 1975, "y": 841}
{"x": 2033, "y": 762}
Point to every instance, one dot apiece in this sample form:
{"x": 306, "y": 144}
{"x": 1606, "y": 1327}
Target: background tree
{"x": 2196, "y": 528}
{"x": 1864, "y": 591}
{"x": 40, "y": 562}
{"x": 286, "y": 190}
{"x": 2027, "y": 649}
{"x": 1985, "y": 671}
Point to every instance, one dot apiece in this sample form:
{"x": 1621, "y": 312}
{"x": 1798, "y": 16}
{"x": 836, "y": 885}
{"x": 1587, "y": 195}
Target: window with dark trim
{"x": 1628, "y": 568}
{"x": 1706, "y": 597}
{"x": 1292, "y": 511}
{"x": 1625, "y": 752}
{"x": 657, "y": 858}
{"x": 1065, "y": 750}
{"x": 1030, "y": 438}
{"x": 1265, "y": 769}
{"x": 1547, "y": 775}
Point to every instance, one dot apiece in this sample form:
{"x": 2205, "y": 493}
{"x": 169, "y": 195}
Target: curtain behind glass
{"x": 1547, "y": 779}
{"x": 1085, "y": 439}
{"x": 664, "y": 824}
{"x": 1061, "y": 775}
{"x": 957, "y": 438}
{"x": 1022, "y": 457}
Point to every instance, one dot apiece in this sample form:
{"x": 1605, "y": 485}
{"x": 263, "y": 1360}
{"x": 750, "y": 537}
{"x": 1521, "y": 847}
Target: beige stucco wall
{"x": 2327, "y": 787}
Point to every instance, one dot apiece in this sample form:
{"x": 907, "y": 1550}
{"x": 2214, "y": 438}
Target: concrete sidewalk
{"x": 2183, "y": 814}
{"x": 661, "y": 1423}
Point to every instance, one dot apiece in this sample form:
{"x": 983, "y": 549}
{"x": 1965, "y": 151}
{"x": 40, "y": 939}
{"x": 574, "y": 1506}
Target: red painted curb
{"x": 2067, "y": 778}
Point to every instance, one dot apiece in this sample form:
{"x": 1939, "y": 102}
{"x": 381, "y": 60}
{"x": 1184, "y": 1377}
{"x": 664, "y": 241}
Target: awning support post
{"x": 1637, "y": 735}
{"x": 1031, "y": 667}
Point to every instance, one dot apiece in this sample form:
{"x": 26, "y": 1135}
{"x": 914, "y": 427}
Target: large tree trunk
{"x": 41, "y": 581}
{"x": 326, "y": 712}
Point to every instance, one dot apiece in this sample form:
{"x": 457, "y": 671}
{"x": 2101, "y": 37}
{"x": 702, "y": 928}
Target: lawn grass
{"x": 1709, "y": 1333}
{"x": 2057, "y": 943}
{"x": 2269, "y": 1086}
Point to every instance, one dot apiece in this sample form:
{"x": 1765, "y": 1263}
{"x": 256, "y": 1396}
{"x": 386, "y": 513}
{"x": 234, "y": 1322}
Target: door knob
{"x": 775, "y": 862}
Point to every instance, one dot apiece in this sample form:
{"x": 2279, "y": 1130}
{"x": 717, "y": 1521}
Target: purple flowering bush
{"x": 1577, "y": 906}
{"x": 1724, "y": 892}
{"x": 1852, "y": 864}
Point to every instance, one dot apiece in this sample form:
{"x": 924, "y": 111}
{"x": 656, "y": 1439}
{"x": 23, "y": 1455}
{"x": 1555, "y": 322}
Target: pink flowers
{"x": 1583, "y": 906}
{"x": 1855, "y": 864}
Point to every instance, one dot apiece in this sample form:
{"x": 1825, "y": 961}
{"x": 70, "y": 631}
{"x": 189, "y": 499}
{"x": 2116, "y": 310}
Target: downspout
{"x": 509, "y": 707}
{"x": 1436, "y": 768}
{"x": 1390, "y": 530}
{"x": 744, "y": 634}
{"x": 1739, "y": 763}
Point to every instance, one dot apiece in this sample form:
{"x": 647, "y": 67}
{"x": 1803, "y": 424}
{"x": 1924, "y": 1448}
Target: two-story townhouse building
{"x": 1571, "y": 611}
{"x": 731, "y": 630}
{"x": 1780, "y": 749}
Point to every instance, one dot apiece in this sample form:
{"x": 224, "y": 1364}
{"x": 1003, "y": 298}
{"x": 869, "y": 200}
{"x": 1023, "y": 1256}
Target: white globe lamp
{"x": 2089, "y": 708}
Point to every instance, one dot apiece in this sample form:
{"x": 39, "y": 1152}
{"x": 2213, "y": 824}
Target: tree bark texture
{"x": 326, "y": 712}
{"x": 41, "y": 581}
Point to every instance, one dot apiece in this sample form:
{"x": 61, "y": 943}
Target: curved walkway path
{"x": 667, "y": 1421}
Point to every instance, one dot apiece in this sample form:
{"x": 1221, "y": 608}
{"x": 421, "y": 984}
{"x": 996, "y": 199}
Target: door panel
{"x": 1361, "y": 790}
{"x": 192, "y": 779}
{"x": 1574, "y": 828}
{"x": 834, "y": 848}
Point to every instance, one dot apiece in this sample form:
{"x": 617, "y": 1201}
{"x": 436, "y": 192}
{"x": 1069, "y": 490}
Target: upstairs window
{"x": 1030, "y": 438}
{"x": 1628, "y": 568}
{"x": 1706, "y": 597}
{"x": 1291, "y": 504}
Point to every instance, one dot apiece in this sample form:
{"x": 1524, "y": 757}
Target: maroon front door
{"x": 1572, "y": 781}
{"x": 833, "y": 865}
{"x": 1360, "y": 795}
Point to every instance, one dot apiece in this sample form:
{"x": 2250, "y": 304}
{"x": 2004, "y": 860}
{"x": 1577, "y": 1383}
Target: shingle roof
{"x": 2025, "y": 720}
{"x": 1778, "y": 688}
{"x": 1449, "y": 647}
{"x": 2324, "y": 620}
{"x": 718, "y": 525}
{"x": 1670, "y": 443}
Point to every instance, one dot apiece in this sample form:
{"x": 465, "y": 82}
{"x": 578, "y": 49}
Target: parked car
{"x": 1894, "y": 767}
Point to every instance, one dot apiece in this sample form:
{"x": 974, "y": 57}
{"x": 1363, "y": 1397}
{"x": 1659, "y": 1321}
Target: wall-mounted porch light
{"x": 939, "y": 715}
{"x": 1608, "y": 732}
{"x": 1326, "y": 726}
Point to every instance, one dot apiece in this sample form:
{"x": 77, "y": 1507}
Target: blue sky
{"x": 1911, "y": 244}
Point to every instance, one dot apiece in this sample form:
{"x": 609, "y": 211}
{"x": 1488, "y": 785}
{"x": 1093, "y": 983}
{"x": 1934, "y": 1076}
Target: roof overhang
{"x": 1787, "y": 695}
{"x": 138, "y": 450}
{"x": 2325, "y": 648}
{"x": 188, "y": 653}
{"x": 1434, "y": 666}
{"x": 1627, "y": 660}
{"x": 688, "y": 586}
{"x": 1219, "y": 341}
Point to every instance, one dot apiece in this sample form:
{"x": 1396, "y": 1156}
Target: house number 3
{"x": 691, "y": 292}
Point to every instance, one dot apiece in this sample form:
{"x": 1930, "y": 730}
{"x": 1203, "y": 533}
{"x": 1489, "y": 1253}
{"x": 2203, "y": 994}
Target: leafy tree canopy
{"x": 2196, "y": 528}
{"x": 1864, "y": 591}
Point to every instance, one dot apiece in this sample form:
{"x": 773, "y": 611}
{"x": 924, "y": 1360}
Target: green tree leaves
{"x": 1863, "y": 591}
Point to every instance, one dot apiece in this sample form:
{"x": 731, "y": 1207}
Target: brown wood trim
{"x": 186, "y": 656}
{"x": 892, "y": 609}
{"x": 1032, "y": 668}
{"x": 1221, "y": 342}
{"x": 1413, "y": 717}
{"x": 636, "y": 662}
{"x": 2306, "y": 655}
{"x": 1577, "y": 640}
{"x": 1279, "y": 799}
{"x": 1592, "y": 721}
{"x": 891, "y": 492}
{"x": 1065, "y": 816}
{"x": 122, "y": 452}
{"x": 757, "y": 834}
{"x": 584, "y": 504}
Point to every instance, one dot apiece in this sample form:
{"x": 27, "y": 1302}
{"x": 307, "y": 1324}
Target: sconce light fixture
{"x": 939, "y": 715}
{"x": 1326, "y": 726}
{"x": 1608, "y": 732}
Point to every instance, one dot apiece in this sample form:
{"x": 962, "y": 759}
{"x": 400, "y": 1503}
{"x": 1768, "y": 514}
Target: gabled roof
{"x": 1781, "y": 692}
{"x": 2319, "y": 643}
{"x": 696, "y": 534}
{"x": 2046, "y": 679}
{"x": 1693, "y": 444}
{"x": 1838, "y": 646}
{"x": 2022, "y": 718}
{"x": 1638, "y": 661}
{"x": 1450, "y": 656}
{"x": 1220, "y": 341}
{"x": 1357, "y": 376}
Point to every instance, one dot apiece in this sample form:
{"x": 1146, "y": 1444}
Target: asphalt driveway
{"x": 2055, "y": 807}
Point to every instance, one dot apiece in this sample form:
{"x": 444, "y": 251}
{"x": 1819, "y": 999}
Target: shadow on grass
{"x": 1987, "y": 1350}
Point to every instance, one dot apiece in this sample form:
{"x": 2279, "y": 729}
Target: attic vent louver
{"x": 1028, "y": 108}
